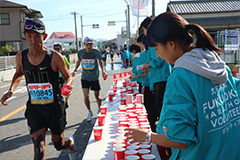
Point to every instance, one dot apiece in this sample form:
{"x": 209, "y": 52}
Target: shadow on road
{"x": 81, "y": 139}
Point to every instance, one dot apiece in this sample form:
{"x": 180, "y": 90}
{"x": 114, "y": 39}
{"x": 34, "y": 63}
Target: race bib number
{"x": 88, "y": 64}
{"x": 41, "y": 93}
{"x": 103, "y": 55}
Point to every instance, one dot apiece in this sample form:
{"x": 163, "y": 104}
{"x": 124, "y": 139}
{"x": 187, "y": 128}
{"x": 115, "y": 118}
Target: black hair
{"x": 146, "y": 22}
{"x": 135, "y": 47}
{"x": 170, "y": 26}
{"x": 139, "y": 39}
{"x": 145, "y": 42}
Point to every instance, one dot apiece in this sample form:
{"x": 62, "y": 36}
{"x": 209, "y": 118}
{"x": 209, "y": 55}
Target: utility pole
{"x": 128, "y": 21}
{"x": 81, "y": 31}
{"x": 153, "y": 8}
{"x": 75, "y": 21}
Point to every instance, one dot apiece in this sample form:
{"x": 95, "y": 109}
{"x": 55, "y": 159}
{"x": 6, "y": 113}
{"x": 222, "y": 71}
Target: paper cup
{"x": 115, "y": 88}
{"x": 142, "y": 152}
{"x": 139, "y": 98}
{"x": 133, "y": 147}
{"x": 132, "y": 157}
{"x": 148, "y": 157}
{"x": 101, "y": 119}
{"x": 110, "y": 96}
{"x": 66, "y": 90}
{"x": 129, "y": 98}
{"x": 123, "y": 101}
{"x": 105, "y": 77}
{"x": 115, "y": 81}
{"x": 130, "y": 152}
{"x": 97, "y": 133}
{"x": 145, "y": 146}
{"x": 103, "y": 110}
{"x": 118, "y": 153}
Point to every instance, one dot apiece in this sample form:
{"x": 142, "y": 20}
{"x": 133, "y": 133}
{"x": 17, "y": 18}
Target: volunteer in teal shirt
{"x": 201, "y": 109}
{"x": 159, "y": 66}
{"x": 144, "y": 57}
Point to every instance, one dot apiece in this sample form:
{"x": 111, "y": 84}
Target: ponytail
{"x": 199, "y": 38}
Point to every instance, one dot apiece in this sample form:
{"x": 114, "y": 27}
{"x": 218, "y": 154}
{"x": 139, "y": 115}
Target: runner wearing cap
{"x": 90, "y": 73}
{"x": 45, "y": 106}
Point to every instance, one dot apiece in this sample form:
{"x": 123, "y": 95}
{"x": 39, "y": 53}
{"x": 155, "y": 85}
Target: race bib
{"x": 41, "y": 93}
{"x": 88, "y": 64}
{"x": 103, "y": 55}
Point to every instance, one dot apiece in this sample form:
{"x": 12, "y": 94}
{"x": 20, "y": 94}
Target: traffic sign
{"x": 95, "y": 26}
{"x": 111, "y": 23}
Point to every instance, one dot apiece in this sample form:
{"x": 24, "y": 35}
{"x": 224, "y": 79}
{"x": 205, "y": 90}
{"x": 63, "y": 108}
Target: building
{"x": 12, "y": 19}
{"x": 217, "y": 17}
{"x": 61, "y": 35}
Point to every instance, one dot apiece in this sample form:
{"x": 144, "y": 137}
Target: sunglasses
{"x": 36, "y": 26}
{"x": 57, "y": 49}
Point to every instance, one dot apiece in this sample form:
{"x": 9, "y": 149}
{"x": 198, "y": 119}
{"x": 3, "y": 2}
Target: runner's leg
{"x": 38, "y": 139}
{"x": 98, "y": 98}
{"x": 86, "y": 97}
{"x": 60, "y": 143}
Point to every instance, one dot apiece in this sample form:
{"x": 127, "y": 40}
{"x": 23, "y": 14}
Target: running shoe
{"x": 89, "y": 118}
{"x": 72, "y": 152}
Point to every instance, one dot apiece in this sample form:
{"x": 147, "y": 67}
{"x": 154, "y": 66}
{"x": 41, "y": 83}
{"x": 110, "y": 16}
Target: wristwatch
{"x": 75, "y": 70}
{"x": 148, "y": 137}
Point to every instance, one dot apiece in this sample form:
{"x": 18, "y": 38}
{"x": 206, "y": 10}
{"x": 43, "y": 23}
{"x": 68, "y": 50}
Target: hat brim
{"x": 36, "y": 30}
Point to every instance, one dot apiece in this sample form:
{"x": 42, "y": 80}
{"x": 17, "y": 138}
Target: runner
{"x": 90, "y": 73}
{"x": 58, "y": 47}
{"x": 104, "y": 56}
{"x": 45, "y": 107}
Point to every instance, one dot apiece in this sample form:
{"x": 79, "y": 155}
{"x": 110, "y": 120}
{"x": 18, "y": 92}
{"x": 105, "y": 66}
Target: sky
{"x": 58, "y": 17}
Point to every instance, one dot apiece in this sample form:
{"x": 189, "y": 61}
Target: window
{"x": 4, "y": 18}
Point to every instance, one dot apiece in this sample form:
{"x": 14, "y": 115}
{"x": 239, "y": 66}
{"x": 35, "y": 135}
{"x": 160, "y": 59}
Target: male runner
{"x": 58, "y": 47}
{"x": 45, "y": 106}
{"x": 90, "y": 73}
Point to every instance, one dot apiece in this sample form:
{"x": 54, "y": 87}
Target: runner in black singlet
{"x": 45, "y": 106}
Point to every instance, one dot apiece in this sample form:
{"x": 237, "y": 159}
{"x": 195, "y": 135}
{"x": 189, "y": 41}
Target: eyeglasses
{"x": 57, "y": 49}
{"x": 36, "y": 26}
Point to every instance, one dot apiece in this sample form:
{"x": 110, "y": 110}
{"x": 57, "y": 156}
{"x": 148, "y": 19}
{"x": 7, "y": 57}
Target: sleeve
{"x": 66, "y": 61}
{"x": 99, "y": 55}
{"x": 79, "y": 55}
{"x": 178, "y": 119}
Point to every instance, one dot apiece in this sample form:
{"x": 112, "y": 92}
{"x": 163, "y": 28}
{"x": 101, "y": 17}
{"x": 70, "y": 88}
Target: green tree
{"x": 6, "y": 48}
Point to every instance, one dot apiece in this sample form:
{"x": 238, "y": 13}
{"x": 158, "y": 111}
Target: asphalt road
{"x": 15, "y": 140}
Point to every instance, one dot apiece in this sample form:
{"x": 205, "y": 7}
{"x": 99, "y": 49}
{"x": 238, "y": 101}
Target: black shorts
{"x": 43, "y": 118}
{"x": 93, "y": 85}
{"x": 111, "y": 55}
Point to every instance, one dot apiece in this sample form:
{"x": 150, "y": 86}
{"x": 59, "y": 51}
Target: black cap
{"x": 38, "y": 25}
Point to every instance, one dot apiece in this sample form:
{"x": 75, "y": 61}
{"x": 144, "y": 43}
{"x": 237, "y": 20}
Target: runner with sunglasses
{"x": 45, "y": 106}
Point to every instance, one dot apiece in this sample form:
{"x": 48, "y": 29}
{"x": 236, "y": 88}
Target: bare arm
{"x": 15, "y": 80}
{"x": 102, "y": 67}
{"x": 139, "y": 76}
{"x": 76, "y": 67}
{"x": 138, "y": 135}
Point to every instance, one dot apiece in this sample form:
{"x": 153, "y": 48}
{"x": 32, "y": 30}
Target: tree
{"x": 6, "y": 48}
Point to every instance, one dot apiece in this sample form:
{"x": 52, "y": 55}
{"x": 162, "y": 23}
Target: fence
{"x": 7, "y": 62}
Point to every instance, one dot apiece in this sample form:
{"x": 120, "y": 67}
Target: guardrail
{"x": 7, "y": 62}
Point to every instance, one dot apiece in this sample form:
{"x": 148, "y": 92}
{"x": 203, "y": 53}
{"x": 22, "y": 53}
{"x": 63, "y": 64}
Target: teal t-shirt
{"x": 144, "y": 57}
{"x": 125, "y": 54}
{"x": 90, "y": 69}
{"x": 134, "y": 68}
{"x": 159, "y": 70}
{"x": 202, "y": 115}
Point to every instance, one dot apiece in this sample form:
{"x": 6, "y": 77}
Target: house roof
{"x": 233, "y": 20}
{"x": 31, "y": 13}
{"x": 60, "y": 35}
{"x": 203, "y": 6}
